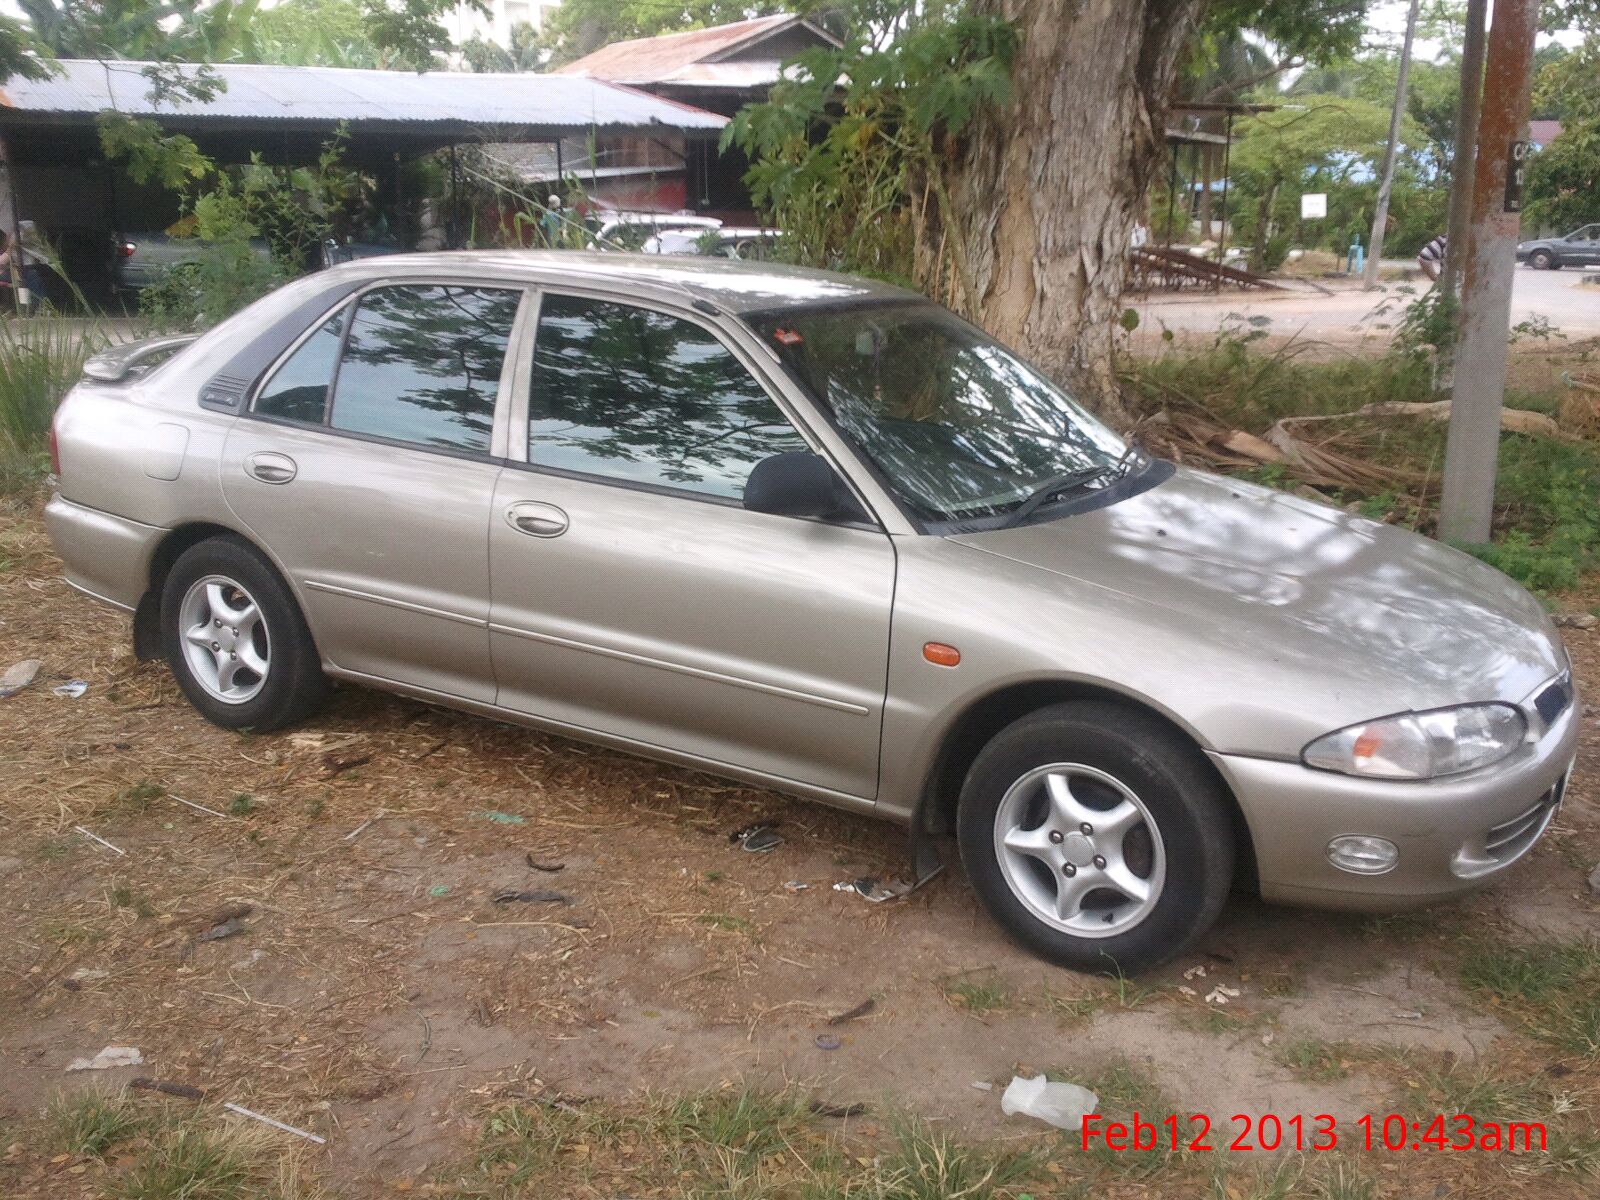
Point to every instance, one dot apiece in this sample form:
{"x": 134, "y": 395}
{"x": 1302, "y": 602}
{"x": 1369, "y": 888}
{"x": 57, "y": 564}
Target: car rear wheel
{"x": 1542, "y": 260}
{"x": 236, "y": 640}
{"x": 1097, "y": 837}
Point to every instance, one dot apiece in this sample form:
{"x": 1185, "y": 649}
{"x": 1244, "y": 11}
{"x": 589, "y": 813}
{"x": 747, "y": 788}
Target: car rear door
{"x": 634, "y": 596}
{"x": 367, "y": 464}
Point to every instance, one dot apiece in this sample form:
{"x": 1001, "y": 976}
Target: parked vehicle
{"x": 139, "y": 260}
{"x": 631, "y": 230}
{"x": 818, "y": 534}
{"x": 1580, "y": 248}
{"x": 751, "y": 244}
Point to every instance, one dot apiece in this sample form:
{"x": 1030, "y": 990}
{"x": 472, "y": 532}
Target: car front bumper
{"x": 1454, "y": 835}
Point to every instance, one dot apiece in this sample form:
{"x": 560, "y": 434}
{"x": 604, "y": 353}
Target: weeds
{"x": 1312, "y": 1058}
{"x": 731, "y": 1143}
{"x": 189, "y": 1163}
{"x": 90, "y": 1123}
{"x": 138, "y": 797}
{"x": 1552, "y": 991}
{"x": 976, "y": 996}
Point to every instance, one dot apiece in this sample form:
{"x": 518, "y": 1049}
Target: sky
{"x": 1387, "y": 19}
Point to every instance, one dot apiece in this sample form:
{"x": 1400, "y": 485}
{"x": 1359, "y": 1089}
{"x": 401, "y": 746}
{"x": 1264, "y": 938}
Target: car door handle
{"x": 270, "y": 467}
{"x": 536, "y": 519}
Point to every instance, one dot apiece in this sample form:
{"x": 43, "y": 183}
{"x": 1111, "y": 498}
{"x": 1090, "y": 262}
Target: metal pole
{"x": 1473, "y": 444}
{"x": 1467, "y": 109}
{"x": 1380, "y": 214}
{"x": 1227, "y": 156}
{"x": 453, "y": 234}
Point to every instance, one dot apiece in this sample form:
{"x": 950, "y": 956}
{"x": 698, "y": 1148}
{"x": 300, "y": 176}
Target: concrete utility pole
{"x": 1473, "y": 445}
{"x": 1380, "y": 215}
{"x": 1466, "y": 148}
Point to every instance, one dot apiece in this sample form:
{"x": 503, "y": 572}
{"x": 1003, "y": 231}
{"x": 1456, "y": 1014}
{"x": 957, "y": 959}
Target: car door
{"x": 367, "y": 464}
{"x": 633, "y": 595}
{"x": 1588, "y": 244}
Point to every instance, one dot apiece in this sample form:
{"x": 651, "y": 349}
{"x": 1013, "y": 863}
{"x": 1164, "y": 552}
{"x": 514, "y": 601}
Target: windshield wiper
{"x": 1072, "y": 480}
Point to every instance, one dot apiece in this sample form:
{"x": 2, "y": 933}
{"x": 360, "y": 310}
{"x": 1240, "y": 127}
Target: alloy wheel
{"x": 225, "y": 642}
{"x": 1080, "y": 850}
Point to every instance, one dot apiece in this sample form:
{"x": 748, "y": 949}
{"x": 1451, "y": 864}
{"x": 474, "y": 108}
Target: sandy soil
{"x": 379, "y": 995}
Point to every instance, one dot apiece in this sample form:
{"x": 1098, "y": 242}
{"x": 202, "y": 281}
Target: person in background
{"x": 552, "y": 220}
{"x": 20, "y": 251}
{"x": 1431, "y": 257}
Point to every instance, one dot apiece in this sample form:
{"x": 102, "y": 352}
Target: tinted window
{"x": 298, "y": 390}
{"x": 422, "y": 364}
{"x": 639, "y": 395}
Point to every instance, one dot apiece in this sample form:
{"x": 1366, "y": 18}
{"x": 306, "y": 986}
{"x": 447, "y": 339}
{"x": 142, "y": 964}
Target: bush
{"x": 223, "y": 277}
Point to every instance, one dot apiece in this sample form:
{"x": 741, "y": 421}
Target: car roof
{"x": 729, "y": 284}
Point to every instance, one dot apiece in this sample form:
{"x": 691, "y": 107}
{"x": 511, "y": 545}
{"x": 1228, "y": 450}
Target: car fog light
{"x": 1363, "y": 855}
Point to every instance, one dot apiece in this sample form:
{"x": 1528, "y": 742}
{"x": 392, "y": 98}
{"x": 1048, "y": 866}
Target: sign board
{"x": 1516, "y": 168}
{"x": 1313, "y": 206}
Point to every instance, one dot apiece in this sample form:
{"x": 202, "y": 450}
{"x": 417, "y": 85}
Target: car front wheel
{"x": 1097, "y": 837}
{"x": 1542, "y": 260}
{"x": 236, "y": 640}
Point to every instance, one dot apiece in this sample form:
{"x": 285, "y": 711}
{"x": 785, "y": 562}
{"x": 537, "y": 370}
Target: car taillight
{"x": 55, "y": 450}
{"x": 126, "y": 249}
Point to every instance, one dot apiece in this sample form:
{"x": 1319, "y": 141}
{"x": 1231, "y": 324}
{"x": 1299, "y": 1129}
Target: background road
{"x": 1346, "y": 313}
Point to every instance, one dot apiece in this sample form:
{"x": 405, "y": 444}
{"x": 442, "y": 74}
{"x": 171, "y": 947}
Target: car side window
{"x": 422, "y": 364}
{"x": 641, "y": 396}
{"x": 298, "y": 389}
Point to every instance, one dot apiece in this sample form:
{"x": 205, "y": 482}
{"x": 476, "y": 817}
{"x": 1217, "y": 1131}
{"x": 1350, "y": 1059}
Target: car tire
{"x": 1025, "y": 825}
{"x": 237, "y": 641}
{"x": 1542, "y": 260}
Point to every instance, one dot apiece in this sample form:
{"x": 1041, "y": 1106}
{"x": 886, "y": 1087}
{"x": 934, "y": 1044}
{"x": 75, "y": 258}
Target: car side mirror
{"x": 799, "y": 483}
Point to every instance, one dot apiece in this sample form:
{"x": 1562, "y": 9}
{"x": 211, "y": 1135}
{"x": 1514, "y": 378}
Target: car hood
{"x": 1377, "y": 614}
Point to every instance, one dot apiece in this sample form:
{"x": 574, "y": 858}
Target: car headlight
{"x": 1421, "y": 745}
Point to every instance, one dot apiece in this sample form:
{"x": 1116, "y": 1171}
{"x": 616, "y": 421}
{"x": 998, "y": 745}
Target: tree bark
{"x": 1043, "y": 195}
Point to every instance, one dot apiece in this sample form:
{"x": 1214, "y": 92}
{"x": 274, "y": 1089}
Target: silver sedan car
{"x": 820, "y": 535}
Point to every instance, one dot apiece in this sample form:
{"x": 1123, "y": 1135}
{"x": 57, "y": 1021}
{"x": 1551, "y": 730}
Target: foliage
{"x": 1326, "y": 144}
{"x": 256, "y": 226}
{"x": 221, "y": 278}
{"x": 526, "y": 53}
{"x": 408, "y": 33}
{"x": 167, "y": 160}
{"x": 314, "y": 33}
{"x": 850, "y": 177}
{"x": 1564, "y": 177}
{"x": 20, "y": 53}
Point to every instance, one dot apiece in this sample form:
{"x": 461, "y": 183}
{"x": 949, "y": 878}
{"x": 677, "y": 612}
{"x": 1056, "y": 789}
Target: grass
{"x": 90, "y": 1123}
{"x": 729, "y": 1144}
{"x": 1315, "y": 1059}
{"x": 155, "y": 1151}
{"x": 976, "y": 996}
{"x": 40, "y": 358}
{"x": 1552, "y": 991}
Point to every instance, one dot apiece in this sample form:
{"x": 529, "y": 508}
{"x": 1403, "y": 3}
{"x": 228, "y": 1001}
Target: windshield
{"x": 959, "y": 427}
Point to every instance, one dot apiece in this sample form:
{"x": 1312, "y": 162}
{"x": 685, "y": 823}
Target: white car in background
{"x": 752, "y": 243}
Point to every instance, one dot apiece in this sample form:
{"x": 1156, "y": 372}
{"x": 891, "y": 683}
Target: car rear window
{"x": 422, "y": 364}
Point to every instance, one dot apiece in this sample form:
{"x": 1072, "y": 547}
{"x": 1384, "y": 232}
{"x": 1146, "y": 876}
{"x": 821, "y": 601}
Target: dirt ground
{"x": 378, "y": 995}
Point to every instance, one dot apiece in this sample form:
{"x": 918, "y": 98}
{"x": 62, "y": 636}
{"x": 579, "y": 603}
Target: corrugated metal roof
{"x": 330, "y": 94}
{"x": 659, "y": 59}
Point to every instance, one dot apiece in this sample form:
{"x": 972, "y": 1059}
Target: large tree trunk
{"x": 1043, "y": 195}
